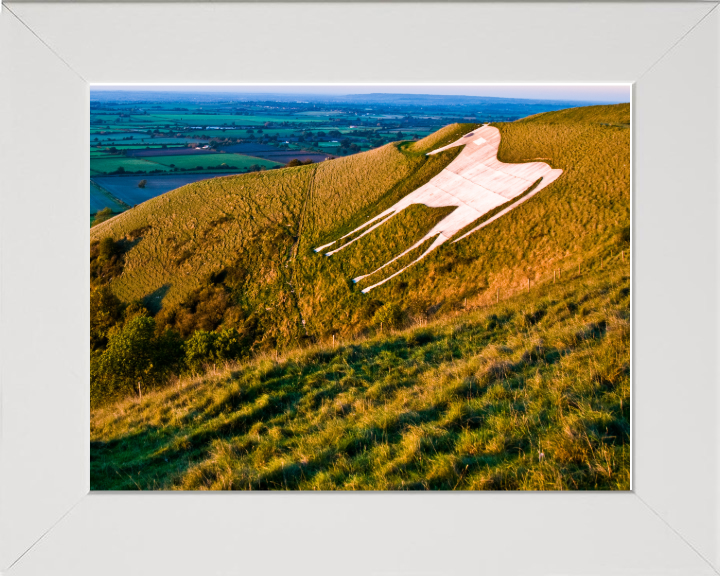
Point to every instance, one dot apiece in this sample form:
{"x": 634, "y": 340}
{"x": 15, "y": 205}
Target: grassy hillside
{"x": 260, "y": 229}
{"x": 250, "y": 238}
{"x": 531, "y": 393}
{"x": 499, "y": 362}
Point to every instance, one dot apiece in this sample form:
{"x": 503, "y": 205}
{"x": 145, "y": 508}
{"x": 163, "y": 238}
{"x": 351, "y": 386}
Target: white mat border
{"x": 47, "y": 520}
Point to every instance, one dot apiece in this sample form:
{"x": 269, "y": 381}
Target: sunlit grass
{"x": 499, "y": 362}
{"x": 532, "y": 393}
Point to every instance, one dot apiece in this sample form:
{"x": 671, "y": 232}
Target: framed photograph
{"x": 373, "y": 269}
{"x": 358, "y": 287}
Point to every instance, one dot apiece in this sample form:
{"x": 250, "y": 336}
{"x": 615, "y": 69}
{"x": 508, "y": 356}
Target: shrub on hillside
{"x": 623, "y": 236}
{"x": 106, "y": 310}
{"x": 135, "y": 308}
{"x": 101, "y": 216}
{"x": 106, "y": 261}
{"x": 204, "y": 309}
{"x": 107, "y": 249}
{"x": 390, "y": 315}
{"x": 204, "y": 348}
{"x": 136, "y": 358}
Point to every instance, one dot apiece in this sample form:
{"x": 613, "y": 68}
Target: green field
{"x": 120, "y": 145}
{"x": 225, "y": 119}
{"x": 147, "y": 141}
{"x": 124, "y": 124}
{"x": 107, "y": 165}
{"x": 104, "y": 150}
{"x": 189, "y": 161}
{"x": 240, "y": 133}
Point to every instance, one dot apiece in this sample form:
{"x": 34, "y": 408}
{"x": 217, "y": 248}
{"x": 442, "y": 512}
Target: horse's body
{"x": 476, "y": 182}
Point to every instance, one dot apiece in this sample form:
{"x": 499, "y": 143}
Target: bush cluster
{"x": 133, "y": 351}
{"x": 295, "y": 162}
{"x": 204, "y": 348}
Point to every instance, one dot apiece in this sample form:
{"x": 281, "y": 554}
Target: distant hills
{"x": 372, "y": 98}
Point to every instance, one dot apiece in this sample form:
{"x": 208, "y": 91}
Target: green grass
{"x": 100, "y": 164}
{"x": 269, "y": 223}
{"x": 467, "y": 401}
{"x": 260, "y": 221}
{"x": 532, "y": 393}
{"x": 107, "y": 165}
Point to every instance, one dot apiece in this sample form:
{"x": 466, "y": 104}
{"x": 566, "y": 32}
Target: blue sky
{"x": 606, "y": 93}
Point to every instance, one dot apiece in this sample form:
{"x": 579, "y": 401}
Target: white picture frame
{"x": 49, "y": 522}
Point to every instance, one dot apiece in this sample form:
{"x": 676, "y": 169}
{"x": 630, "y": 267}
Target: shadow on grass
{"x": 153, "y": 301}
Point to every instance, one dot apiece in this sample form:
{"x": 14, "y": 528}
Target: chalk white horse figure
{"x": 476, "y": 182}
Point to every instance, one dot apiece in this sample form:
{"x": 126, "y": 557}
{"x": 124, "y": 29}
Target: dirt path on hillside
{"x": 292, "y": 260}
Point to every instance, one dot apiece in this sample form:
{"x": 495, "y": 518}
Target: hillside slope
{"x": 501, "y": 361}
{"x": 532, "y": 393}
{"x": 243, "y": 245}
{"x": 255, "y": 231}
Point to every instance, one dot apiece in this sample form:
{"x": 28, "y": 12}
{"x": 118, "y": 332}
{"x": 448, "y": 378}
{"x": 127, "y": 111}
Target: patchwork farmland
{"x": 140, "y": 137}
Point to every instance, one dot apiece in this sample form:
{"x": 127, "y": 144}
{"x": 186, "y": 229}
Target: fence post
{"x": 497, "y": 296}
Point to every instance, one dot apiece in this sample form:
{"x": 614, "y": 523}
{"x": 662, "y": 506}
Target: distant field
{"x": 243, "y": 133}
{"x": 304, "y": 155}
{"x": 225, "y": 119}
{"x": 144, "y": 141}
{"x": 101, "y": 130}
{"x": 107, "y": 165}
{"x": 124, "y": 124}
{"x": 112, "y": 135}
{"x": 213, "y": 160}
{"x": 276, "y": 154}
{"x": 142, "y": 152}
{"x": 99, "y": 199}
{"x": 126, "y": 187}
{"x": 250, "y": 149}
{"x": 137, "y": 145}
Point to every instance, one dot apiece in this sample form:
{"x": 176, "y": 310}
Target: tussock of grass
{"x": 532, "y": 393}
